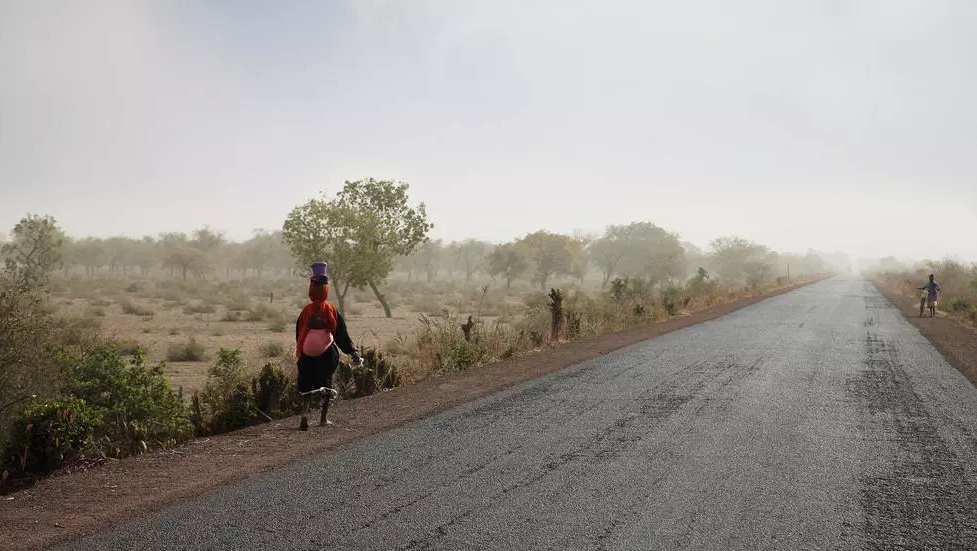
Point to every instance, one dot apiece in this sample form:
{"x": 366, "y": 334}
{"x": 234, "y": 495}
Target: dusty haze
{"x": 834, "y": 125}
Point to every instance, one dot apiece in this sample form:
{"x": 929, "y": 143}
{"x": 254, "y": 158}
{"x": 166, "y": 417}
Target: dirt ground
{"x": 70, "y": 505}
{"x": 952, "y": 338}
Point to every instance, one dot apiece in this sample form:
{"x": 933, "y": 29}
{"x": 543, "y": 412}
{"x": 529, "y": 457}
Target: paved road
{"x": 818, "y": 419}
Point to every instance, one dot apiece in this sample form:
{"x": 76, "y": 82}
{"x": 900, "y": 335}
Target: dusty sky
{"x": 825, "y": 124}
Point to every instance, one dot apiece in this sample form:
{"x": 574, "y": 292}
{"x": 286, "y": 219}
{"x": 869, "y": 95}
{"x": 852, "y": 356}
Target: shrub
{"x": 190, "y": 351}
{"x": 199, "y": 309}
{"x": 96, "y": 312}
{"x": 227, "y": 397}
{"x": 27, "y": 365}
{"x": 232, "y": 316}
{"x": 50, "y": 433}
{"x": 274, "y": 393}
{"x": 376, "y": 373}
{"x": 240, "y": 303}
{"x": 463, "y": 354}
{"x": 961, "y": 305}
{"x": 128, "y": 347}
{"x": 261, "y": 312}
{"x": 136, "y": 398}
{"x": 277, "y": 326}
{"x": 135, "y": 310}
{"x": 113, "y": 408}
{"x": 271, "y": 349}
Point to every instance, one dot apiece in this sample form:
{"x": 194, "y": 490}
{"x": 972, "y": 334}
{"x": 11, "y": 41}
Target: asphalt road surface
{"x": 818, "y": 419}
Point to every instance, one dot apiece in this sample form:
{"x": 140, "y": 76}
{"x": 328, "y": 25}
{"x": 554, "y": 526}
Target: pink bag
{"x": 317, "y": 341}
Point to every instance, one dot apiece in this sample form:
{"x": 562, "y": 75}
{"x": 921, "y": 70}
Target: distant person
{"x": 932, "y": 289}
{"x": 320, "y": 333}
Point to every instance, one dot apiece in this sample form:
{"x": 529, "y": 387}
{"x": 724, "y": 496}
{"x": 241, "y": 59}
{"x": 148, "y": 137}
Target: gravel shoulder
{"x": 954, "y": 340}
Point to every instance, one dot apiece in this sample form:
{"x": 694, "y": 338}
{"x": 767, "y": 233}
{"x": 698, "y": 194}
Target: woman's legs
{"x": 331, "y": 362}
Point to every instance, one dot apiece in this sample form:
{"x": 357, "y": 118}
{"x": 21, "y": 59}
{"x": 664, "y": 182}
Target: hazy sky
{"x": 827, "y": 124}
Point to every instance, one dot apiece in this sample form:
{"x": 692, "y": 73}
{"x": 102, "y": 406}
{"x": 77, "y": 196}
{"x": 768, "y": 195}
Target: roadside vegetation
{"x": 120, "y": 346}
{"x": 958, "y": 284}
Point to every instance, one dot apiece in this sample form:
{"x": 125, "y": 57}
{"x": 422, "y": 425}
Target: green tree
{"x": 509, "y": 262}
{"x": 91, "y": 254}
{"x": 741, "y": 261}
{"x": 639, "y": 250}
{"x": 549, "y": 255}
{"x": 359, "y": 233}
{"x": 34, "y": 250}
{"x": 144, "y": 254}
{"x": 470, "y": 255}
{"x": 181, "y": 254}
{"x": 608, "y": 251}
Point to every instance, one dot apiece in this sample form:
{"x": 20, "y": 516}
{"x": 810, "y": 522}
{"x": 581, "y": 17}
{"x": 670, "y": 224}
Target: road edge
{"x": 949, "y": 337}
{"x": 67, "y": 507}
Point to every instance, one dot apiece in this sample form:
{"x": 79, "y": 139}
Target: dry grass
{"x": 184, "y": 323}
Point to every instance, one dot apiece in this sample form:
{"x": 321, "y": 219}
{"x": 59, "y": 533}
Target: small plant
{"x": 50, "y": 433}
{"x": 227, "y": 396}
{"x": 239, "y": 303}
{"x": 277, "y": 326}
{"x": 232, "y": 316}
{"x": 136, "y": 310}
{"x": 961, "y": 305}
{"x": 463, "y": 354}
{"x": 96, "y": 312}
{"x": 271, "y": 349}
{"x": 128, "y": 347}
{"x": 199, "y": 309}
{"x": 114, "y": 407}
{"x": 376, "y": 373}
{"x": 190, "y": 351}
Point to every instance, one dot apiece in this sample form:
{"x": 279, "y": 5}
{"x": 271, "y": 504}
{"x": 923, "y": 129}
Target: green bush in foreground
{"x": 108, "y": 407}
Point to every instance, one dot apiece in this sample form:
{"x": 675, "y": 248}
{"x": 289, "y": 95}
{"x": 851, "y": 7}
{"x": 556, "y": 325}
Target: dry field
{"x": 184, "y": 324}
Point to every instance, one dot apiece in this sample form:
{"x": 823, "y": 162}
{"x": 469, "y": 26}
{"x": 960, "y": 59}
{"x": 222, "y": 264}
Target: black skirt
{"x": 316, "y": 372}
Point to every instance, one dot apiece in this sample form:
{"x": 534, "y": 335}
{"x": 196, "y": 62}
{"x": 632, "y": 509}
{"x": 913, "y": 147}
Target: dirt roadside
{"x": 956, "y": 342}
{"x": 68, "y": 506}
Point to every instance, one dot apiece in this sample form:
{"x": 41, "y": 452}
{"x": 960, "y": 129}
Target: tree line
{"x": 369, "y": 230}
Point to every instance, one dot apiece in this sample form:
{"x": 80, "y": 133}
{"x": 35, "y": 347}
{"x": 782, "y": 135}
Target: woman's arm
{"x": 342, "y": 337}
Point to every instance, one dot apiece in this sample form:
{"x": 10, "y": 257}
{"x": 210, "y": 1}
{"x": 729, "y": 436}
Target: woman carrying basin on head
{"x": 320, "y": 334}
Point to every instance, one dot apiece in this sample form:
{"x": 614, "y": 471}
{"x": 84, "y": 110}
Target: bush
{"x": 136, "y": 310}
{"x": 50, "y": 433}
{"x": 259, "y": 313}
{"x": 128, "y": 347}
{"x": 136, "y": 398}
{"x": 277, "y": 326}
{"x": 190, "y": 351}
{"x": 376, "y": 373}
{"x": 239, "y": 303}
{"x": 463, "y": 354}
{"x": 27, "y": 361}
{"x": 113, "y": 408}
{"x": 96, "y": 312}
{"x": 961, "y": 305}
{"x": 271, "y": 349}
{"x": 274, "y": 393}
{"x": 232, "y": 316}
{"x": 199, "y": 309}
{"x": 230, "y": 402}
